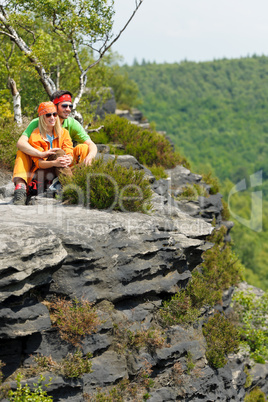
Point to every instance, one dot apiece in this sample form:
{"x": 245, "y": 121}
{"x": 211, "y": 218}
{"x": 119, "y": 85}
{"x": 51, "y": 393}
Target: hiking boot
{"x": 20, "y": 196}
{"x": 55, "y": 187}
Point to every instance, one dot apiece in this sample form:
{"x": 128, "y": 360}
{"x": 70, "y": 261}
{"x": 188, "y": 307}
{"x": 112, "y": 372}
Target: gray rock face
{"x": 126, "y": 263}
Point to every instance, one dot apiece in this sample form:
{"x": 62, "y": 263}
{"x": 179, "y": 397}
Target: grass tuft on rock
{"x": 108, "y": 186}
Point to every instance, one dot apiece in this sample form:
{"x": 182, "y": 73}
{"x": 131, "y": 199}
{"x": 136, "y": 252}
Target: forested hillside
{"x": 217, "y": 115}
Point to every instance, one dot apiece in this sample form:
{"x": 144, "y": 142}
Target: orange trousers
{"x": 23, "y": 163}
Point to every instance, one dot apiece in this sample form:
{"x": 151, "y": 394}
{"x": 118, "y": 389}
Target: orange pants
{"x": 23, "y": 162}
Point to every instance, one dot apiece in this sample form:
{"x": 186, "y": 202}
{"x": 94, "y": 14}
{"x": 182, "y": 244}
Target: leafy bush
{"x": 108, "y": 186}
{"x": 74, "y": 319}
{"x": 192, "y": 192}
{"x": 222, "y": 338}
{"x": 75, "y": 365}
{"x": 220, "y": 270}
{"x": 9, "y": 135}
{"x": 158, "y": 172}
{"x": 24, "y": 394}
{"x": 149, "y": 147}
{"x": 256, "y": 395}
{"x": 213, "y": 182}
{"x": 178, "y": 310}
{"x": 253, "y": 317}
{"x": 126, "y": 339}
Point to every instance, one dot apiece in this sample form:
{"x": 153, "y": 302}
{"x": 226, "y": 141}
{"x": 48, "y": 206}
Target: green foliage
{"x": 189, "y": 363}
{"x": 222, "y": 338}
{"x": 253, "y": 329}
{"x": 1, "y": 373}
{"x": 212, "y": 181}
{"x": 255, "y": 395}
{"x": 9, "y": 135}
{"x": 149, "y": 147}
{"x": 178, "y": 310}
{"x": 219, "y": 120}
{"x": 191, "y": 192}
{"x": 220, "y": 270}
{"x": 74, "y": 319}
{"x": 108, "y": 186}
{"x": 75, "y": 365}
{"x": 125, "y": 339}
{"x": 24, "y": 394}
{"x": 158, "y": 172}
{"x": 125, "y": 90}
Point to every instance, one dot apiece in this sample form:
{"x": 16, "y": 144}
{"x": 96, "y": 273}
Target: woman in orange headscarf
{"x": 49, "y": 134}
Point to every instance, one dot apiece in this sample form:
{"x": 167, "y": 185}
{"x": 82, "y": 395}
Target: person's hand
{"x": 45, "y": 154}
{"x": 88, "y": 160}
{"x": 63, "y": 161}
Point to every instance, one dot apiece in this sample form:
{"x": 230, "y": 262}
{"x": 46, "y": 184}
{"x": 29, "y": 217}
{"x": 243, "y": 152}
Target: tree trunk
{"x": 16, "y": 101}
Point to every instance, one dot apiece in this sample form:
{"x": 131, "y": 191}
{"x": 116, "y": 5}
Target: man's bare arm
{"x": 92, "y": 152}
{"x": 24, "y": 146}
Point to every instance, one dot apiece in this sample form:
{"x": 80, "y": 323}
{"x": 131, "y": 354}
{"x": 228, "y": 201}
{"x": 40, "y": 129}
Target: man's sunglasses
{"x": 65, "y": 105}
{"x": 52, "y": 114}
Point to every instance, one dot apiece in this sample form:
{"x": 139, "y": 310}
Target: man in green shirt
{"x": 63, "y": 102}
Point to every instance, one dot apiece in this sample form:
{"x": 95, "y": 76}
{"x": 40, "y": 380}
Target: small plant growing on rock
{"x": 253, "y": 317}
{"x": 178, "y": 310}
{"x": 192, "y": 192}
{"x": 74, "y": 319}
{"x": 24, "y": 394}
{"x": 75, "y": 365}
{"x": 126, "y": 339}
{"x": 222, "y": 338}
{"x": 108, "y": 186}
{"x": 212, "y": 181}
{"x": 256, "y": 395}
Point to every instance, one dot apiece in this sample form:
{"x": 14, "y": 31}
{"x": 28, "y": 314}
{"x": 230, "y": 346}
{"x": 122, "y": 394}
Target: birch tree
{"x": 79, "y": 23}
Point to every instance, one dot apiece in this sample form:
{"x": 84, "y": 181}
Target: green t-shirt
{"x": 76, "y": 131}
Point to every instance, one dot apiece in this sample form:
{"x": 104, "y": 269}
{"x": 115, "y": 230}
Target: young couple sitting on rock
{"x": 46, "y": 147}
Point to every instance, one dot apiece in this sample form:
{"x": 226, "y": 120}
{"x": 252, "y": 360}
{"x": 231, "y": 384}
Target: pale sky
{"x": 196, "y": 30}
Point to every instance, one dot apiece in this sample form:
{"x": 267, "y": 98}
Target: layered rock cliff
{"x": 126, "y": 264}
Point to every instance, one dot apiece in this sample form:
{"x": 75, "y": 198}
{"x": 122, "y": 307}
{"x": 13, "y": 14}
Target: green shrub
{"x": 225, "y": 213}
{"x": 149, "y": 147}
{"x": 24, "y": 394}
{"x": 9, "y": 135}
{"x": 74, "y": 319}
{"x": 126, "y": 339}
{"x": 1, "y": 373}
{"x": 252, "y": 312}
{"x": 256, "y": 395}
{"x": 213, "y": 182}
{"x": 75, "y": 365}
{"x": 222, "y": 338}
{"x": 178, "y": 310}
{"x": 158, "y": 172}
{"x": 108, "y": 186}
{"x": 192, "y": 192}
{"x": 220, "y": 270}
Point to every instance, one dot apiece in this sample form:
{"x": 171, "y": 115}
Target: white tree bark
{"x": 10, "y": 31}
{"x": 16, "y": 101}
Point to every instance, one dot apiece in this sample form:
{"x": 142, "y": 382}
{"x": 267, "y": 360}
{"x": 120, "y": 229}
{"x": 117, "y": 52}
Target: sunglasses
{"x": 64, "y": 105}
{"x": 52, "y": 114}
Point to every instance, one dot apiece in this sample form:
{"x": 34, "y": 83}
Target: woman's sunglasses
{"x": 52, "y": 114}
{"x": 65, "y": 105}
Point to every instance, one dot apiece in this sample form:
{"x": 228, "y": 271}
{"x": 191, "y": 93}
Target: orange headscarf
{"x": 46, "y": 107}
